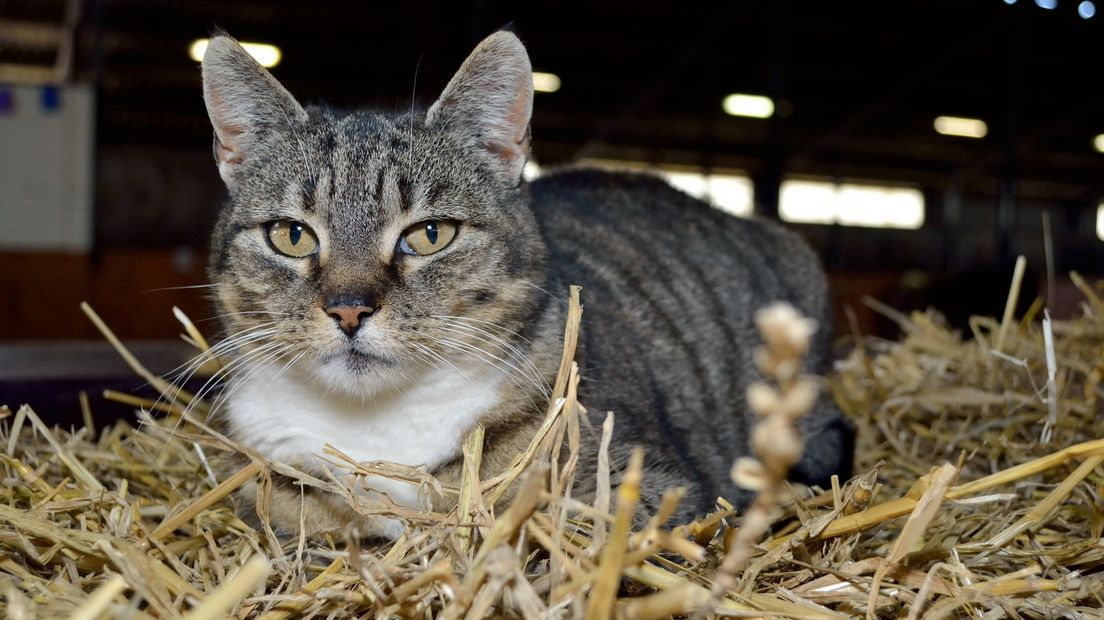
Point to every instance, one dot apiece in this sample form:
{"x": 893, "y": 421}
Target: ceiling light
{"x": 962, "y": 127}
{"x": 545, "y": 82}
{"x": 755, "y": 106}
{"x": 1098, "y": 143}
{"x": 1046, "y": 4}
{"x": 265, "y": 54}
{"x": 1086, "y": 9}
{"x": 850, "y": 204}
{"x": 531, "y": 170}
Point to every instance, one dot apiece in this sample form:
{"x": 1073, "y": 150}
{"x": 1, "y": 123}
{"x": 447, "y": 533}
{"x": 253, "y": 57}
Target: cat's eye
{"x": 429, "y": 237}
{"x": 291, "y": 238}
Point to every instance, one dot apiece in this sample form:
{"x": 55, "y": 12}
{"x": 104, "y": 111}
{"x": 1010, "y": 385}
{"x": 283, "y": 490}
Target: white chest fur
{"x": 289, "y": 419}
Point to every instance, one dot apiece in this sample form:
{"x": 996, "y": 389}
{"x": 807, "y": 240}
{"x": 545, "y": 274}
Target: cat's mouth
{"x": 358, "y": 371}
{"x": 359, "y": 359}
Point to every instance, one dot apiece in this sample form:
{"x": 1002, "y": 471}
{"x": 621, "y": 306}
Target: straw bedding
{"x": 980, "y": 494}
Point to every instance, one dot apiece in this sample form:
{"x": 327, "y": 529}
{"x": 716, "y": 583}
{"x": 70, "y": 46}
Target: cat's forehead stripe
{"x": 390, "y": 197}
{"x": 377, "y": 186}
{"x": 406, "y": 193}
{"x": 310, "y": 188}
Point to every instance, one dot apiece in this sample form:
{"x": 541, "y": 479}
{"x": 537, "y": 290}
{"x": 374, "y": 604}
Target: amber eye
{"x": 427, "y": 237}
{"x": 292, "y": 239}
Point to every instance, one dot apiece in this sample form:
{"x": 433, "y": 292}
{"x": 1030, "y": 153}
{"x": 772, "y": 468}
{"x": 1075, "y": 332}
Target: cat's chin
{"x": 359, "y": 373}
{"x": 360, "y": 361}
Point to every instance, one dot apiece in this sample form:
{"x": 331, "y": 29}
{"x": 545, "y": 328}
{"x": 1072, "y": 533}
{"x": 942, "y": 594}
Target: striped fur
{"x": 670, "y": 287}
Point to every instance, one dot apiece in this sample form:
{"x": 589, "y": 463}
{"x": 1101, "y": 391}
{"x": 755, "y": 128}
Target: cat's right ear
{"x": 244, "y": 103}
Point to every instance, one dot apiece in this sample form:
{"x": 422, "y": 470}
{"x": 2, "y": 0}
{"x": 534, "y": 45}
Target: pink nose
{"x": 348, "y": 318}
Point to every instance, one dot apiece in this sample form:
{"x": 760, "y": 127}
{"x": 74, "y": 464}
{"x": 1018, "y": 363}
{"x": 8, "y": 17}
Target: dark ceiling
{"x": 858, "y": 82}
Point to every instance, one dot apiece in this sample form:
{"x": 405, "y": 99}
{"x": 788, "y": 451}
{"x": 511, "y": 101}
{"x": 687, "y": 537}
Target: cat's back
{"x": 670, "y": 290}
{"x": 628, "y": 224}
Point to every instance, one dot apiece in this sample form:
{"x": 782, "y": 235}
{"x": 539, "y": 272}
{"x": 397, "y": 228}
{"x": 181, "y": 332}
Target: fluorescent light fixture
{"x": 1098, "y": 142}
{"x": 808, "y": 202}
{"x": 692, "y": 183}
{"x": 754, "y": 106}
{"x": 545, "y": 82}
{"x": 1100, "y": 222}
{"x": 265, "y": 54}
{"x": 962, "y": 127}
{"x": 731, "y": 193}
{"x": 851, "y": 204}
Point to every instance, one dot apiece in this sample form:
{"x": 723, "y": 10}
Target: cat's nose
{"x": 348, "y": 312}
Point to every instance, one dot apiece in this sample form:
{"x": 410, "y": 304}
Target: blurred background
{"x": 920, "y": 145}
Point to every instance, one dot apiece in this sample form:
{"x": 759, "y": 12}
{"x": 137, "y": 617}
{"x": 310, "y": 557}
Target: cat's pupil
{"x": 295, "y": 233}
{"x": 431, "y": 232}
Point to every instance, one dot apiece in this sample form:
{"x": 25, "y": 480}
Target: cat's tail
{"x": 829, "y": 446}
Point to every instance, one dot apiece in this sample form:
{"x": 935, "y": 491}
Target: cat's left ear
{"x": 490, "y": 101}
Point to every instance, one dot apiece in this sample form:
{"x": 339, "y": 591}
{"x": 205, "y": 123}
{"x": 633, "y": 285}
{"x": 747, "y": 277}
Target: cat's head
{"x": 368, "y": 247}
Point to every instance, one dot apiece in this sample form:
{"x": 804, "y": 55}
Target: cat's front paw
{"x": 290, "y": 512}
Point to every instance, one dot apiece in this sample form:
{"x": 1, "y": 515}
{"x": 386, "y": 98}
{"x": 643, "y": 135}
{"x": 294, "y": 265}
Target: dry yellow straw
{"x": 252, "y": 574}
{"x": 157, "y": 382}
{"x": 666, "y": 603}
{"x": 571, "y": 340}
{"x": 1010, "y": 304}
{"x": 61, "y": 542}
{"x": 904, "y": 505}
{"x": 469, "y": 487}
{"x": 1035, "y": 516}
{"x": 80, "y": 473}
{"x": 190, "y": 327}
{"x": 86, "y": 413}
{"x": 99, "y": 600}
{"x": 609, "y": 569}
{"x": 913, "y": 532}
{"x": 227, "y": 487}
{"x": 294, "y": 608}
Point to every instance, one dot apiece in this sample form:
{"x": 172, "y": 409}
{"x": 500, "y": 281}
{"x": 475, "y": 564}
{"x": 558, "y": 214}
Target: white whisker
{"x": 181, "y": 288}
{"x": 482, "y": 322}
{"x": 298, "y": 356}
{"x": 443, "y": 360}
{"x": 181, "y": 375}
{"x": 243, "y": 313}
{"x": 489, "y": 359}
{"x": 558, "y": 298}
{"x": 257, "y": 364}
{"x": 530, "y": 371}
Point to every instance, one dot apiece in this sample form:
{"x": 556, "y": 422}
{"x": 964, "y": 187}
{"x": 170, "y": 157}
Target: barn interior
{"x": 920, "y": 146}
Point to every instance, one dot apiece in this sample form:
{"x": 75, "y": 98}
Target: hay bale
{"x": 981, "y": 494}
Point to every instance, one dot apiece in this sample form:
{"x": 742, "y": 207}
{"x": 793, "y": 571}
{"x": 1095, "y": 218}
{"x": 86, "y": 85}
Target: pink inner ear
{"x": 225, "y": 153}
{"x": 518, "y": 117}
{"x": 508, "y": 153}
{"x": 228, "y": 136}
{"x": 516, "y": 147}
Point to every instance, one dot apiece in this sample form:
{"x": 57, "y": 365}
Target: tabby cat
{"x": 388, "y": 281}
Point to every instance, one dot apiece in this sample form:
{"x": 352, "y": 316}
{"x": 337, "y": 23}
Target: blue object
{"x": 7, "y": 100}
{"x": 51, "y": 98}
